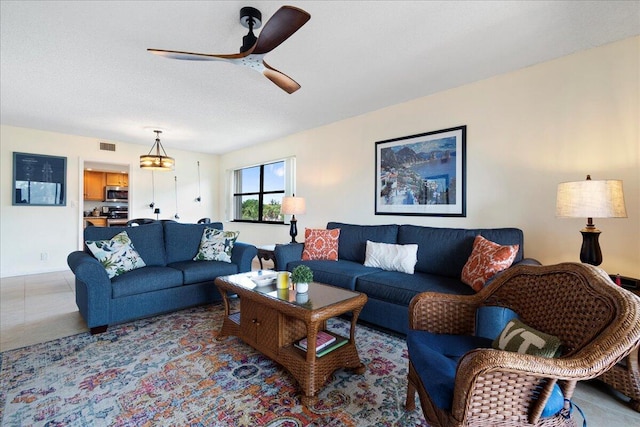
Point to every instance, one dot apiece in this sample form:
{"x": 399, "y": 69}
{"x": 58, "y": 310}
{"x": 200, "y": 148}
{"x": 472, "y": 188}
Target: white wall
{"x": 28, "y": 231}
{"x": 526, "y": 132}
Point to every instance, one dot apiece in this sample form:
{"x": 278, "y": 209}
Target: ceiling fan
{"x": 286, "y": 21}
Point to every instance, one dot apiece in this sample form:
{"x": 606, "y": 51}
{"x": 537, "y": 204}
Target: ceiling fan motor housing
{"x": 249, "y": 18}
{"x": 249, "y": 14}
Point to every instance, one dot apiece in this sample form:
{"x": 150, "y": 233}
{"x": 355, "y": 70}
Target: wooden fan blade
{"x": 286, "y": 21}
{"x": 192, "y": 56}
{"x": 283, "y": 81}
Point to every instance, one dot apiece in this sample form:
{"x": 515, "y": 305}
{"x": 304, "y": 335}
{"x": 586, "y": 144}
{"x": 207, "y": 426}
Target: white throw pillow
{"x": 391, "y": 257}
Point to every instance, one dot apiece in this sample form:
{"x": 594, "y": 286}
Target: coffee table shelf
{"x": 271, "y": 321}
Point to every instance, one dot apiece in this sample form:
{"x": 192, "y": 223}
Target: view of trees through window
{"x": 258, "y": 192}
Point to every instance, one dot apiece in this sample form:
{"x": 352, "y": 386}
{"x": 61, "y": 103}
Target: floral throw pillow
{"x": 216, "y": 245}
{"x": 117, "y": 255}
{"x": 321, "y": 244}
{"x": 486, "y": 259}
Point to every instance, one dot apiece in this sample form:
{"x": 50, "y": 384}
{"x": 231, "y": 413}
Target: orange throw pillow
{"x": 320, "y": 244}
{"x": 486, "y": 259}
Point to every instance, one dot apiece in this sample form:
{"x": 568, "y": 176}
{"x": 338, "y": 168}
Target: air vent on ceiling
{"x": 107, "y": 146}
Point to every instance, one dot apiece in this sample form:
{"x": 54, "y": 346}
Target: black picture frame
{"x": 39, "y": 180}
{"x": 423, "y": 174}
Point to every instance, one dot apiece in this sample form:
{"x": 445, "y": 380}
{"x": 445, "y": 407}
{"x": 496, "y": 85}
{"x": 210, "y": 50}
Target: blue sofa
{"x": 170, "y": 281}
{"x": 442, "y": 254}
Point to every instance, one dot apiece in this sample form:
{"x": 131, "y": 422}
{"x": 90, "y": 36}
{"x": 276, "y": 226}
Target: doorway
{"x": 95, "y": 177}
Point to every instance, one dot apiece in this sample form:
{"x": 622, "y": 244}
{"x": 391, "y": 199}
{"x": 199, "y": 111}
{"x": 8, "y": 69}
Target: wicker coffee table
{"x": 272, "y": 320}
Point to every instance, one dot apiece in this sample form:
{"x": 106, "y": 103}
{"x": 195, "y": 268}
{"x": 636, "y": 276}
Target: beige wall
{"x": 28, "y": 231}
{"x": 526, "y": 132}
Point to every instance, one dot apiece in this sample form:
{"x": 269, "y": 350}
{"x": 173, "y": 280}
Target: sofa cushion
{"x": 320, "y": 244}
{"x": 391, "y": 257}
{"x": 116, "y": 255}
{"x": 216, "y": 245}
{"x": 400, "y": 288}
{"x": 146, "y": 279}
{"x": 339, "y": 273}
{"x": 353, "y": 238}
{"x": 147, "y": 239}
{"x": 203, "y": 271}
{"x": 487, "y": 258}
{"x": 444, "y": 251}
{"x": 435, "y": 358}
{"x": 521, "y": 338}
{"x": 183, "y": 240}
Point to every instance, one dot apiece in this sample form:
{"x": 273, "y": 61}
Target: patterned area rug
{"x": 170, "y": 370}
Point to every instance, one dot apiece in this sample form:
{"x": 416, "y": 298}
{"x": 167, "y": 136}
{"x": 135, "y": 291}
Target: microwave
{"x": 116, "y": 194}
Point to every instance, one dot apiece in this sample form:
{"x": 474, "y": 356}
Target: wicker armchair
{"x": 597, "y": 322}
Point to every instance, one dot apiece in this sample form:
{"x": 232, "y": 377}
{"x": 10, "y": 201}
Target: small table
{"x": 271, "y": 321}
{"x": 267, "y": 253}
{"x": 625, "y": 376}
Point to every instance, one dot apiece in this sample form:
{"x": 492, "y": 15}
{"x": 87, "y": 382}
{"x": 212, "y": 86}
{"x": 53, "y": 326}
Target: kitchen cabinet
{"x": 96, "y": 221}
{"x": 94, "y": 183}
{"x": 117, "y": 179}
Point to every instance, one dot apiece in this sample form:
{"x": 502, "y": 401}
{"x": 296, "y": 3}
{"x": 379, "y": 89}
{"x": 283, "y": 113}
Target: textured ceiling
{"x": 82, "y": 67}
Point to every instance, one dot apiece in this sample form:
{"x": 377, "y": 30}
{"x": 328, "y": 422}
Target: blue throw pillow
{"x": 555, "y": 402}
{"x": 491, "y": 320}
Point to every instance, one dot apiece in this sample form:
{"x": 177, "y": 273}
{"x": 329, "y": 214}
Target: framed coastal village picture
{"x": 39, "y": 180}
{"x": 422, "y": 174}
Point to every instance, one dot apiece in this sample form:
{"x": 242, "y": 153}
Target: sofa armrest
{"x": 93, "y": 288}
{"x": 286, "y": 253}
{"x": 527, "y": 261}
{"x": 88, "y": 269}
{"x": 242, "y": 255}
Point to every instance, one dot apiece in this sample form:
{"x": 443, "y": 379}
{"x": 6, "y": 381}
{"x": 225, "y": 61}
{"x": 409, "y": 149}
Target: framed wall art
{"x": 39, "y": 180}
{"x": 422, "y": 174}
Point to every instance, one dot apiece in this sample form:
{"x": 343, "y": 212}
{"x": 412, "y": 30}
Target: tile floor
{"x": 39, "y": 308}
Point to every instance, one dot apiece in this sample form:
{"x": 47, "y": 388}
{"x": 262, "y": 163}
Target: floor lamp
{"x": 292, "y": 205}
{"x": 590, "y": 199}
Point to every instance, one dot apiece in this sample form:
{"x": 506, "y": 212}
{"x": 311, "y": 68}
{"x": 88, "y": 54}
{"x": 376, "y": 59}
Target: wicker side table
{"x": 625, "y": 376}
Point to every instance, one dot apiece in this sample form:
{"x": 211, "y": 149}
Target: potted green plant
{"x": 302, "y": 276}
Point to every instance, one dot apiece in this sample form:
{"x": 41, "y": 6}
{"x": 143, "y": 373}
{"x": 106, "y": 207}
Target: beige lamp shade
{"x": 158, "y": 161}
{"x": 292, "y": 205}
{"x": 591, "y": 199}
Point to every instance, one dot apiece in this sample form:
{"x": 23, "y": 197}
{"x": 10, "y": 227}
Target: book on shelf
{"x": 339, "y": 342}
{"x": 322, "y": 340}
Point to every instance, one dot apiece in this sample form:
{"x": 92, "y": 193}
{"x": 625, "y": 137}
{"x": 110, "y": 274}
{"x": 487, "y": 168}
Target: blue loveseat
{"x": 442, "y": 254}
{"x": 170, "y": 281}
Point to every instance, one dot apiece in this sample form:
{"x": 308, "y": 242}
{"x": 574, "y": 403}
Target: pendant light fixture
{"x": 157, "y": 161}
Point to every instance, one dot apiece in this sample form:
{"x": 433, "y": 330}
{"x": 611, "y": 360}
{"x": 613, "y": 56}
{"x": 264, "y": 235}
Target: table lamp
{"x": 590, "y": 199}
{"x": 292, "y": 205}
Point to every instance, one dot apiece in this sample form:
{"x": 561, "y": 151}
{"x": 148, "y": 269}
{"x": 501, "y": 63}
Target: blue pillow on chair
{"x": 491, "y": 320}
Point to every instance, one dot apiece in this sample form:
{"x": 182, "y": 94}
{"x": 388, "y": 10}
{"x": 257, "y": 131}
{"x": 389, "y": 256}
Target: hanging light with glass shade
{"x": 157, "y": 161}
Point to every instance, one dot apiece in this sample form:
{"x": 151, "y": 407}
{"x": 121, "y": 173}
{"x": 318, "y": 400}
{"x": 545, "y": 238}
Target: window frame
{"x": 235, "y": 197}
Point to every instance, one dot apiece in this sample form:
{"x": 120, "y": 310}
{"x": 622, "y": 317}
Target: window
{"x": 258, "y": 191}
